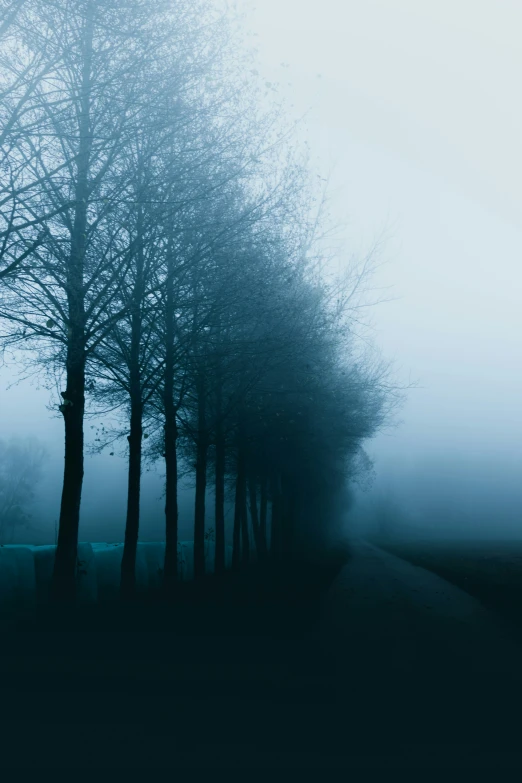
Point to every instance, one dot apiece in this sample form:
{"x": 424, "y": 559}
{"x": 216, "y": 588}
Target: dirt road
{"x": 426, "y": 672}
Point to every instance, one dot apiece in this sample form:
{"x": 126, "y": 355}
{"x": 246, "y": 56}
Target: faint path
{"x": 392, "y": 601}
{"x": 423, "y": 665}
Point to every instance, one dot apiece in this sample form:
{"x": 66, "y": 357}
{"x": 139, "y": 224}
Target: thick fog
{"x": 413, "y": 110}
{"x": 24, "y": 414}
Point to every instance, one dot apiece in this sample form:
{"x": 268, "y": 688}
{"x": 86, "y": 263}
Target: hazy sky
{"x": 415, "y": 107}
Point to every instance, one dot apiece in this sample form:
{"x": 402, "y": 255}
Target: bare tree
{"x": 161, "y": 249}
{"x": 89, "y": 104}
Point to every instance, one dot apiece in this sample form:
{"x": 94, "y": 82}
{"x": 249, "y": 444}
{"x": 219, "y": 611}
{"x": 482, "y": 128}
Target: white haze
{"x": 415, "y": 108}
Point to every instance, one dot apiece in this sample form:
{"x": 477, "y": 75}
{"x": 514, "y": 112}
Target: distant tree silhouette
{"x": 21, "y": 466}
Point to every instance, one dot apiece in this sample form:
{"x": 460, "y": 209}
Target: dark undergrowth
{"x": 281, "y": 598}
{"x": 227, "y": 667}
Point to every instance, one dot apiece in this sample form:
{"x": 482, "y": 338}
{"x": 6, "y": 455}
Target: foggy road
{"x": 427, "y": 672}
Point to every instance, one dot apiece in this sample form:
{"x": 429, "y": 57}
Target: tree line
{"x": 162, "y": 255}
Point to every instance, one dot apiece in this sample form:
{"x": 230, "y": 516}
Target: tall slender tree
{"x": 88, "y": 107}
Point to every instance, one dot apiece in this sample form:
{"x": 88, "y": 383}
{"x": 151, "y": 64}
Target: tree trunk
{"x": 219, "y": 432}
{"x": 220, "y": 499}
{"x": 288, "y": 519}
{"x": 273, "y": 528}
{"x": 238, "y": 511}
{"x": 201, "y": 484}
{"x": 263, "y": 514}
{"x": 252, "y": 491}
{"x": 170, "y": 572}
{"x": 128, "y": 563}
{"x": 245, "y": 538}
{"x": 275, "y": 537}
{"x": 63, "y": 585}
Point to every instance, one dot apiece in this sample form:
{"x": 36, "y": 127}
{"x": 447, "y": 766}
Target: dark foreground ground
{"x": 358, "y": 661}
{"x": 227, "y": 676}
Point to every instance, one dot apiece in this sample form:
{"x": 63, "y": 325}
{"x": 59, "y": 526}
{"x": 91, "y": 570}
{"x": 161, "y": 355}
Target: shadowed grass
{"x": 491, "y": 571}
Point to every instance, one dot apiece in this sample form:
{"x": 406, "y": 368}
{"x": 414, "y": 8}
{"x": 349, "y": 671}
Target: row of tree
{"x": 160, "y": 253}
